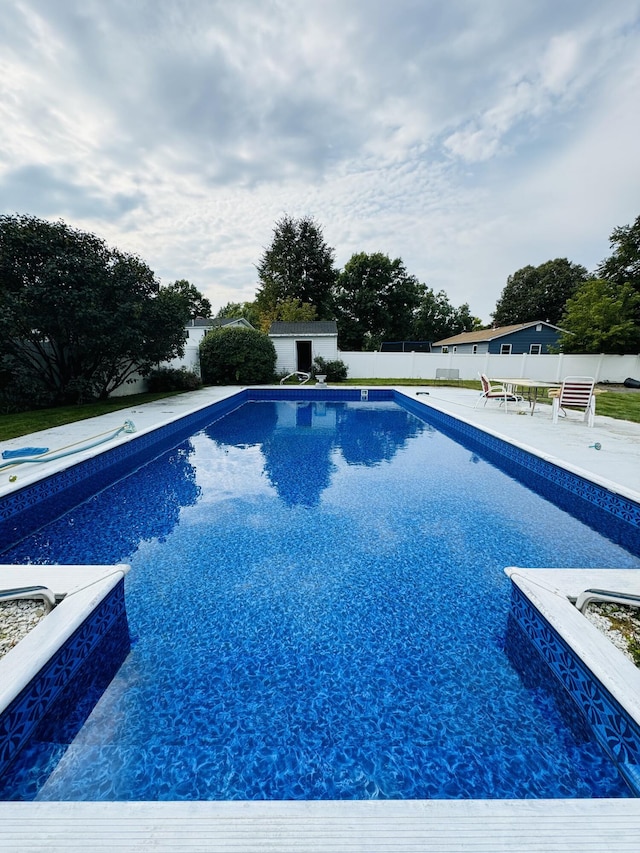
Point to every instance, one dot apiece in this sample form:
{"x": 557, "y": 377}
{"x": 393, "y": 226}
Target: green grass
{"x": 623, "y": 406}
{"x": 614, "y": 404}
{"x": 23, "y": 423}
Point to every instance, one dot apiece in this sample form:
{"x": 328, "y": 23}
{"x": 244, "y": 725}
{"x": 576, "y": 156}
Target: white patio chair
{"x": 577, "y": 392}
{"x": 496, "y": 392}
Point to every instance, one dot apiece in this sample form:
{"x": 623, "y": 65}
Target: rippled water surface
{"x": 318, "y": 607}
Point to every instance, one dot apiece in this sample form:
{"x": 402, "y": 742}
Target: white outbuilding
{"x": 298, "y": 344}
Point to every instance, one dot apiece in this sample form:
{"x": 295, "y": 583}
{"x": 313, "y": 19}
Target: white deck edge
{"x": 370, "y": 826}
{"x": 81, "y": 588}
{"x": 551, "y": 590}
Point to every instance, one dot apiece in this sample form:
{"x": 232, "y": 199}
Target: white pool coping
{"x": 552, "y": 592}
{"x": 437, "y": 826}
{"x": 80, "y": 588}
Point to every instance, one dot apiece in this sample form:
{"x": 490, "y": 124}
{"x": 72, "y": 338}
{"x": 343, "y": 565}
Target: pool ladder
{"x": 301, "y": 376}
{"x": 606, "y": 596}
{"x": 28, "y": 592}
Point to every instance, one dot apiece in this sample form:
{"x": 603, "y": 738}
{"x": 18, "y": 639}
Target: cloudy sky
{"x": 468, "y": 137}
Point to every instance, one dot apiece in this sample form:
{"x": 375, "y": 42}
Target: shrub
{"x": 237, "y": 356}
{"x": 18, "y": 391}
{"x": 173, "y": 379}
{"x": 335, "y": 371}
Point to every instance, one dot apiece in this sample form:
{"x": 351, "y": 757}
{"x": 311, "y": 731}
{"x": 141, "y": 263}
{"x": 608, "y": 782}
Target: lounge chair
{"x": 496, "y": 392}
{"x": 577, "y": 392}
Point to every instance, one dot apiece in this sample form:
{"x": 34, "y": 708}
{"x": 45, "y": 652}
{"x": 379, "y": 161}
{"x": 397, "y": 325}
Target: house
{"x": 297, "y": 344}
{"x": 198, "y": 328}
{"x": 533, "y": 338}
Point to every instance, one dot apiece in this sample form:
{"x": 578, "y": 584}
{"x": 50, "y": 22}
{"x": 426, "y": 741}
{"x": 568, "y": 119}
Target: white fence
{"x": 547, "y": 368}
{"x": 421, "y": 365}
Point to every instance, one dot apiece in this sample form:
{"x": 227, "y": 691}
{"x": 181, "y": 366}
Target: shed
{"x": 298, "y": 344}
{"x": 533, "y": 338}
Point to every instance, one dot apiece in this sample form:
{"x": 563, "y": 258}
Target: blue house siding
{"x": 521, "y": 340}
{"x": 467, "y": 349}
{"x": 515, "y": 340}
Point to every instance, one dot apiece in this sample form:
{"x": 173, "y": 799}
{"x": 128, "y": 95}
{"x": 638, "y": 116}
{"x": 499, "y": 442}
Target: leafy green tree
{"x": 624, "y": 263}
{"x": 600, "y": 317}
{"x": 437, "y": 318}
{"x": 237, "y": 356}
{"x": 538, "y": 293}
{"x": 297, "y": 265}
{"x": 78, "y": 319}
{"x": 248, "y": 310}
{"x": 376, "y": 299}
{"x": 288, "y": 311}
{"x": 199, "y": 305}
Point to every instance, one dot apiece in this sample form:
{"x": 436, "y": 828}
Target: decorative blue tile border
{"x": 334, "y": 395}
{"x": 614, "y": 729}
{"x": 105, "y": 627}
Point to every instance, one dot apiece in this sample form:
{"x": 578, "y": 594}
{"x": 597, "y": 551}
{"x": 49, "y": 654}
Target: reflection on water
{"x": 363, "y": 436}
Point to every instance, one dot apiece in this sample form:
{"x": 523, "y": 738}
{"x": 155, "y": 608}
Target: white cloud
{"x": 469, "y": 139}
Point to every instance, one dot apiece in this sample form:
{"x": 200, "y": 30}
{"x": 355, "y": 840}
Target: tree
{"x": 237, "y": 356}
{"x": 436, "y": 318}
{"x": 77, "y": 319}
{"x": 198, "y": 305}
{"x": 376, "y": 299}
{"x": 600, "y": 317}
{"x": 248, "y": 310}
{"x": 538, "y": 293}
{"x": 624, "y": 263}
{"x": 298, "y": 265}
{"x": 289, "y": 311}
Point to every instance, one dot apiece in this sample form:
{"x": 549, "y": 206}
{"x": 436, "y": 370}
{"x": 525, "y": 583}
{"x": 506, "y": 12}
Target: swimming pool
{"x": 318, "y": 605}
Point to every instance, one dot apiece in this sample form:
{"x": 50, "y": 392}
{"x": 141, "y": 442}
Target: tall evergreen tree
{"x": 298, "y": 265}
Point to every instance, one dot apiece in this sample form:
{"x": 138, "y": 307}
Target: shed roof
{"x": 311, "y": 327}
{"x": 490, "y": 334}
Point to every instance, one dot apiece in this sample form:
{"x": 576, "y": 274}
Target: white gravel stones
{"x": 17, "y": 618}
{"x": 598, "y": 615}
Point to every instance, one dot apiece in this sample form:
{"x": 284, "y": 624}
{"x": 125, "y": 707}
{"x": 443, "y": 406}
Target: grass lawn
{"x": 614, "y": 404}
{"x": 23, "y": 423}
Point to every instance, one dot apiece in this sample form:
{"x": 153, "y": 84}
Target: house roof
{"x": 203, "y": 323}
{"x": 311, "y": 327}
{"x": 490, "y": 334}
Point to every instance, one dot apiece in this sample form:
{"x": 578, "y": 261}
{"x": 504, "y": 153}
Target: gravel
{"x": 620, "y": 624}
{"x": 17, "y": 618}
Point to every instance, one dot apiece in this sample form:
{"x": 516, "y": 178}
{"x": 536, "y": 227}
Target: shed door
{"x": 303, "y": 355}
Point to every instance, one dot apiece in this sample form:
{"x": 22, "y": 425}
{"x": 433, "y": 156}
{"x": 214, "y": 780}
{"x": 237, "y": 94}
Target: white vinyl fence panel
{"x": 547, "y": 368}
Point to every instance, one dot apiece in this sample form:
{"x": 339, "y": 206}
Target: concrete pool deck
{"x": 545, "y": 826}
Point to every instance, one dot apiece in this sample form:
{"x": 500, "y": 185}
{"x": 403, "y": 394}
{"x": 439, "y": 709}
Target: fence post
{"x": 599, "y": 367}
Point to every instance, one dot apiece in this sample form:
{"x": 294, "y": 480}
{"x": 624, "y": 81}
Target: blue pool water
{"x": 318, "y": 606}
